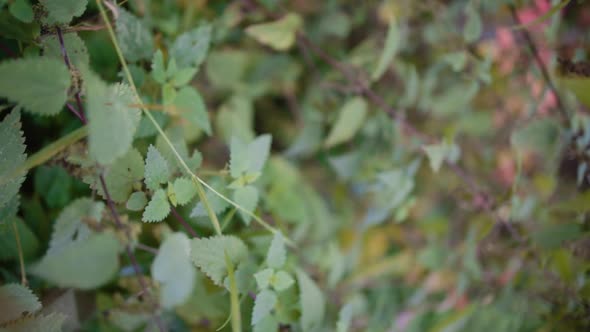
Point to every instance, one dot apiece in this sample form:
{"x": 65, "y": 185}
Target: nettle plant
{"x": 189, "y": 166}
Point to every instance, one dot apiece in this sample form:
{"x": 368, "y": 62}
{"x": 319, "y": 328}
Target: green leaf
{"x": 173, "y": 269}
{"x": 16, "y": 301}
{"x": 217, "y": 203}
{"x": 184, "y": 189}
{"x": 277, "y": 254}
{"x": 135, "y": 39}
{"x": 246, "y": 197}
{"x": 39, "y": 84}
{"x": 168, "y": 94}
{"x": 124, "y": 175}
{"x": 190, "y": 105}
{"x": 248, "y": 158}
{"x": 63, "y": 11}
{"x": 279, "y": 34}
{"x": 579, "y": 86}
{"x": 263, "y": 278}
{"x": 112, "y": 120}
{"x": 267, "y": 324}
{"x": 183, "y": 76}
{"x": 54, "y": 184}
{"x": 540, "y": 136}
{"x": 158, "y": 69}
{"x": 12, "y": 156}
{"x": 313, "y": 304}
{"x": 392, "y": 44}
{"x": 83, "y": 264}
{"x": 9, "y": 250}
{"x": 74, "y": 45}
{"x": 190, "y": 48}
{"x": 473, "y": 26}
{"x": 13, "y": 28}
{"x": 158, "y": 207}
{"x": 208, "y": 255}
{"x": 263, "y": 305}
{"x": 22, "y": 10}
{"x": 438, "y": 153}
{"x": 156, "y": 169}
{"x": 41, "y": 323}
{"x": 350, "y": 119}
{"x": 136, "y": 201}
{"x": 281, "y": 281}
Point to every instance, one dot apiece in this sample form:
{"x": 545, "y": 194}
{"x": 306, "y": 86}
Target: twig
{"x": 146, "y": 248}
{"x": 64, "y": 53}
{"x": 183, "y": 222}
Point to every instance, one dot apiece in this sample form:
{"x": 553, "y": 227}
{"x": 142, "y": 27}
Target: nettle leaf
{"x": 136, "y": 201}
{"x": 540, "y": 136}
{"x": 313, "y": 303}
{"x": 191, "y": 107}
{"x": 135, "y": 39}
{"x": 217, "y": 203}
{"x": 83, "y": 264}
{"x": 12, "y": 156}
{"x": 156, "y": 169}
{"x": 75, "y": 48}
{"x": 22, "y": 10}
{"x": 185, "y": 190}
{"x": 183, "y": 76}
{"x": 249, "y": 158}
{"x": 176, "y": 137}
{"x": 263, "y": 305}
{"x": 42, "y": 323}
{"x": 473, "y": 26}
{"x": 440, "y": 152}
{"x": 392, "y": 45}
{"x": 63, "y": 11}
{"x": 246, "y": 197}
{"x": 125, "y": 175}
{"x": 172, "y": 267}
{"x": 277, "y": 254}
{"x": 281, "y": 281}
{"x": 190, "y": 48}
{"x": 70, "y": 225}
{"x": 158, "y": 68}
{"x": 263, "y": 278}
{"x": 112, "y": 120}
{"x": 208, "y": 254}
{"x": 350, "y": 120}
{"x": 279, "y": 34}
{"x": 39, "y": 84}
{"x": 9, "y": 248}
{"x": 15, "y": 301}
{"x": 158, "y": 207}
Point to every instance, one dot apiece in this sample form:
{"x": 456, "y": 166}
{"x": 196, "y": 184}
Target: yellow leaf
{"x": 279, "y": 34}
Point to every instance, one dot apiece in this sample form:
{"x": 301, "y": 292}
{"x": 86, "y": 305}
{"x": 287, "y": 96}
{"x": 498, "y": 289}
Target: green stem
{"x": 236, "y": 318}
{"x": 21, "y": 260}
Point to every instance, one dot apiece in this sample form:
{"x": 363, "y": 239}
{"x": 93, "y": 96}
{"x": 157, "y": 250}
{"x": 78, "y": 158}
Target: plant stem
{"x": 183, "y": 222}
{"x": 21, "y": 260}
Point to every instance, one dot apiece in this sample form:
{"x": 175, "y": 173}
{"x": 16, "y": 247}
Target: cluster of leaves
{"x": 188, "y": 166}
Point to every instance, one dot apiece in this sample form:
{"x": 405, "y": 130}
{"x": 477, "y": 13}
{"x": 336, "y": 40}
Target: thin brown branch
{"x": 183, "y": 222}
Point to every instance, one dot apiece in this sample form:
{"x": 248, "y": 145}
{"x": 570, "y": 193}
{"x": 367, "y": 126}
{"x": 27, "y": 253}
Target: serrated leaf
{"x": 281, "y": 281}
{"x": 42, "y": 323}
{"x": 112, "y": 120}
{"x": 185, "y": 190}
{"x": 191, "y": 107}
{"x": 277, "y": 253}
{"x": 124, "y": 175}
{"x": 156, "y": 169}
{"x": 208, "y": 254}
{"x": 158, "y": 69}
{"x": 83, "y": 264}
{"x": 63, "y": 11}
{"x": 392, "y": 44}
{"x": 15, "y": 301}
{"x": 74, "y": 45}
{"x": 279, "y": 34}
{"x": 70, "y": 225}
{"x": 313, "y": 303}
{"x": 246, "y": 197}
{"x": 249, "y": 158}
{"x": 39, "y": 84}
{"x": 473, "y": 26}
{"x": 263, "y": 305}
{"x": 158, "y": 207}
{"x": 190, "y": 48}
{"x": 172, "y": 267}
{"x": 22, "y": 10}
{"x": 12, "y": 156}
{"x": 350, "y": 119}
{"x": 263, "y": 278}
{"x": 216, "y": 203}
{"x": 135, "y": 39}
{"x": 136, "y": 201}
{"x": 440, "y": 152}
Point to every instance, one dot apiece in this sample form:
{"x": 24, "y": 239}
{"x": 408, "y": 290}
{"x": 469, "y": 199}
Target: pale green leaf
{"x": 473, "y": 26}
{"x": 9, "y": 249}
{"x": 42, "y": 323}
{"x": 125, "y": 175}
{"x": 156, "y": 169}
{"x": 216, "y": 203}
{"x": 183, "y": 76}
{"x": 71, "y": 225}
{"x": 441, "y": 152}
{"x": 246, "y": 197}
{"x": 249, "y": 158}
{"x": 83, "y": 264}
{"x": 39, "y": 84}
{"x": 277, "y": 254}
{"x": 263, "y": 278}
{"x": 15, "y": 301}
{"x": 112, "y": 120}
{"x": 158, "y": 69}
{"x": 313, "y": 303}
{"x": 190, "y": 105}
{"x": 136, "y": 201}
{"x": 392, "y": 45}
{"x": 63, "y": 11}
{"x": 158, "y": 208}
{"x": 279, "y": 34}
{"x": 12, "y": 156}
{"x": 350, "y": 119}
{"x": 541, "y": 136}
{"x": 74, "y": 45}
{"x": 263, "y": 305}
{"x": 184, "y": 189}
{"x": 172, "y": 267}
{"x": 168, "y": 94}
{"x": 190, "y": 48}
{"x": 267, "y": 324}
{"x": 208, "y": 255}
{"x": 281, "y": 281}
{"x": 135, "y": 39}
{"x": 22, "y": 10}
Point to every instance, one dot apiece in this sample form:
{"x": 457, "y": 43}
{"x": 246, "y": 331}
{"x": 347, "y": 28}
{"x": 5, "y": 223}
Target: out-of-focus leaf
{"x": 279, "y": 34}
